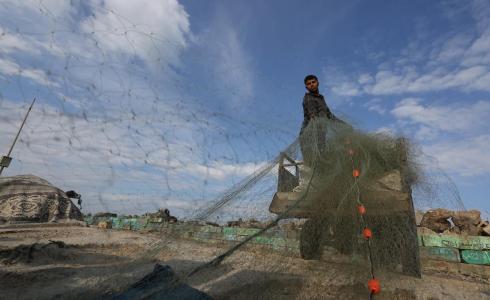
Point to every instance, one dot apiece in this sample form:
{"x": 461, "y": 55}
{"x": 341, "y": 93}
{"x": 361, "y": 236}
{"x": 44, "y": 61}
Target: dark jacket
{"x": 314, "y": 105}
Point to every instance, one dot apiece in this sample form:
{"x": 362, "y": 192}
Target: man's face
{"x": 312, "y": 85}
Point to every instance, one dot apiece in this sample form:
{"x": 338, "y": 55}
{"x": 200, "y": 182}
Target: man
{"x": 314, "y": 106}
{"x": 75, "y": 195}
{"x": 314, "y": 103}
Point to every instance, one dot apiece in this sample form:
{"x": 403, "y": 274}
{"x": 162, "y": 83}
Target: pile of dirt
{"x": 461, "y": 222}
{"x": 28, "y": 198}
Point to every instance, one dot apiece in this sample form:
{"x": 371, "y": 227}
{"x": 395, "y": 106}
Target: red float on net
{"x": 367, "y": 233}
{"x": 356, "y": 173}
{"x": 361, "y": 209}
{"x": 374, "y": 286}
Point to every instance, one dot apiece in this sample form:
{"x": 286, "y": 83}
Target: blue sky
{"x": 144, "y": 104}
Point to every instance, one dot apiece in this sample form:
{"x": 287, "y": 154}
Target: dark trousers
{"x": 312, "y": 141}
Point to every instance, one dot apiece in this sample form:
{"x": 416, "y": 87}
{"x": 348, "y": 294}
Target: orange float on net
{"x": 361, "y": 209}
{"x": 356, "y": 173}
{"x": 367, "y": 233}
{"x": 374, "y": 286}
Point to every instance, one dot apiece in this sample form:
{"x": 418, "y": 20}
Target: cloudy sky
{"x": 146, "y": 104}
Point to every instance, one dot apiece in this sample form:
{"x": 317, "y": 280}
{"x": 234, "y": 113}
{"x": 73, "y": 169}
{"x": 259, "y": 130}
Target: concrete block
{"x": 156, "y": 220}
{"x": 202, "y": 235}
{"x": 209, "y": 228}
{"x": 247, "y": 231}
{"x": 143, "y": 222}
{"x": 459, "y": 242}
{"x": 476, "y": 257}
{"x": 440, "y": 253}
{"x": 262, "y": 240}
{"x": 89, "y": 220}
{"x": 292, "y": 243}
{"x": 116, "y": 223}
{"x": 229, "y": 230}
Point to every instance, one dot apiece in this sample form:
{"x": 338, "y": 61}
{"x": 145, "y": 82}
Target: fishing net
{"x": 262, "y": 213}
{"x": 348, "y": 197}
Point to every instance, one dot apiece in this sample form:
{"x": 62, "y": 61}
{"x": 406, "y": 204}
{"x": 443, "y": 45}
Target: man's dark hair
{"x": 309, "y": 77}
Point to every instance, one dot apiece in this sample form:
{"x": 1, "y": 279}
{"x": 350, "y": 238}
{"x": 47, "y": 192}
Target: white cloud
{"x": 346, "y": 89}
{"x": 220, "y": 170}
{"x": 450, "y": 118}
{"x": 425, "y": 133}
{"x": 454, "y": 134}
{"x": 10, "y": 43}
{"x": 338, "y": 82}
{"x": 467, "y": 156}
{"x": 365, "y": 78}
{"x": 386, "y": 130}
{"x": 155, "y": 31}
{"x": 227, "y": 62}
{"x": 376, "y": 106}
{"x": 457, "y": 60}
{"x": 11, "y": 68}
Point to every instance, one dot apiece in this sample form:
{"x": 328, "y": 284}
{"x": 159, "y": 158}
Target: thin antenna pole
{"x": 18, "y": 132}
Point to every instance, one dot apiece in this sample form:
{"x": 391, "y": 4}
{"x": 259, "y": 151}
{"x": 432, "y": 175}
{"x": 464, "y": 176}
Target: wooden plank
{"x": 293, "y": 165}
{"x": 476, "y": 257}
{"x": 440, "y": 253}
{"x": 285, "y": 156}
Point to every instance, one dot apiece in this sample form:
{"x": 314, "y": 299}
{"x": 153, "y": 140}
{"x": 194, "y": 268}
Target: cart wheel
{"x": 310, "y": 240}
{"x": 344, "y": 233}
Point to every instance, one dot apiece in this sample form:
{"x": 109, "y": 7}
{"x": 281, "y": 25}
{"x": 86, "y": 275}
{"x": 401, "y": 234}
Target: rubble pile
{"x": 460, "y": 222}
{"x": 164, "y": 214}
{"x": 252, "y": 223}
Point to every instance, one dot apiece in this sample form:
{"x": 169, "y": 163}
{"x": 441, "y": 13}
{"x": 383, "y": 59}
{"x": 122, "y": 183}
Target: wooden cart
{"x": 388, "y": 199}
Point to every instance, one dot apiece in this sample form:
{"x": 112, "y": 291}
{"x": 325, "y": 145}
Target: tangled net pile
{"x": 115, "y": 121}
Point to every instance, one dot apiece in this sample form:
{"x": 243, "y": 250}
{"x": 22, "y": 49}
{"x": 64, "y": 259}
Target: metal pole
{"x": 18, "y": 132}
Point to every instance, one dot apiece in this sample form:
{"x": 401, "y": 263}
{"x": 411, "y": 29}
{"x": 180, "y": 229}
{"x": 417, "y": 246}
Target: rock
{"x": 235, "y": 223}
{"x": 212, "y": 224}
{"x": 424, "y": 231}
{"x": 437, "y": 220}
{"x": 105, "y": 225}
{"x": 467, "y": 221}
{"x": 454, "y": 230}
{"x": 252, "y": 223}
{"x": 164, "y": 214}
{"x": 105, "y": 215}
{"x": 484, "y": 227}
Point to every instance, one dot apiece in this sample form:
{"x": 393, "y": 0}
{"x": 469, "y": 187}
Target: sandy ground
{"x": 87, "y": 263}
